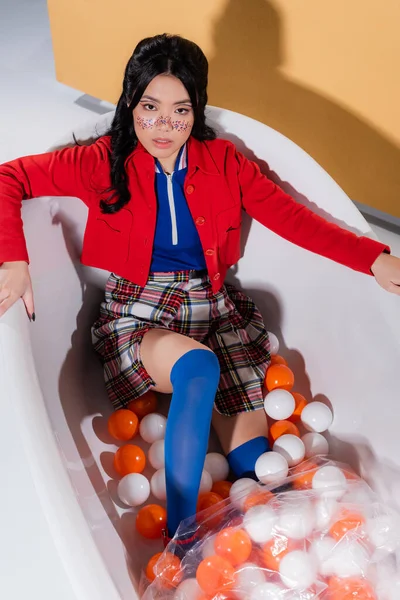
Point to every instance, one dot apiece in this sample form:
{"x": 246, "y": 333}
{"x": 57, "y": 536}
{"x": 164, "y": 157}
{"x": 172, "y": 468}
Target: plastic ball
{"x": 315, "y": 444}
{"x": 151, "y": 520}
{"x": 152, "y": 427}
{"x": 248, "y": 577}
{"x": 207, "y": 548}
{"x": 273, "y": 343}
{"x": 240, "y": 489}
{"x": 304, "y": 474}
{"x": 206, "y": 482}
{"x": 209, "y": 504}
{"x": 330, "y": 481}
{"x": 234, "y": 545}
{"x": 271, "y": 467}
{"x": 352, "y": 588}
{"x": 325, "y": 509}
{"x": 267, "y": 591}
{"x": 123, "y": 425}
{"x": 282, "y": 428}
{"x": 166, "y": 567}
{"x": 322, "y": 549}
{"x": 129, "y": 459}
{"x": 298, "y": 570}
{"x": 158, "y": 485}
{"x": 259, "y": 497}
{"x": 316, "y": 417}
{"x": 384, "y": 532}
{"x": 274, "y": 551}
{"x": 133, "y": 489}
{"x": 346, "y": 520}
{"x": 156, "y": 454}
{"x": 300, "y": 403}
{"x": 215, "y": 574}
{"x": 222, "y": 488}
{"x": 291, "y": 447}
{"x": 279, "y": 404}
{"x": 259, "y": 522}
{"x": 349, "y": 559}
{"x": 279, "y": 377}
{"x": 217, "y": 465}
{"x": 144, "y": 405}
{"x": 188, "y": 590}
{"x": 296, "y": 519}
{"x": 276, "y": 359}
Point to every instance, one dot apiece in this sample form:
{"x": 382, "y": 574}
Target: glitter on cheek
{"x": 182, "y": 126}
{"x": 145, "y": 123}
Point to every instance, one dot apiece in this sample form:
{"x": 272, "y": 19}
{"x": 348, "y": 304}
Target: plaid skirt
{"x": 228, "y": 322}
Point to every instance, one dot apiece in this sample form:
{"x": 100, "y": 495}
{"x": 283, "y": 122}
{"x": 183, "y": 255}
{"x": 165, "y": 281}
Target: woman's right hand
{"x": 15, "y": 283}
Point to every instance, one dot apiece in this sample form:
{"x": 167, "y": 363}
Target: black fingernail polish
{"x": 33, "y": 317}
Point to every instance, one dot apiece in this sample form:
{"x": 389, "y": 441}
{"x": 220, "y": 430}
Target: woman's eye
{"x": 183, "y": 111}
{"x": 149, "y": 107}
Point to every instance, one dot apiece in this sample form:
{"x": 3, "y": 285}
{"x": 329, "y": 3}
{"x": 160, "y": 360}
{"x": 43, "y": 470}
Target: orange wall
{"x": 323, "y": 73}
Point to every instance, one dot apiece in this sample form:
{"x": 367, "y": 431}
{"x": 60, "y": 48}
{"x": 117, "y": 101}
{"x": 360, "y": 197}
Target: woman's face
{"x": 163, "y": 119}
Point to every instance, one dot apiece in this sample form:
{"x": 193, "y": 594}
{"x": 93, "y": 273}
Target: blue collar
{"x": 180, "y": 163}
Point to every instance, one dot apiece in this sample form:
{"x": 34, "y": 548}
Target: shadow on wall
{"x": 248, "y": 56}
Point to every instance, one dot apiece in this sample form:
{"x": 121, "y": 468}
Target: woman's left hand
{"x": 386, "y": 270}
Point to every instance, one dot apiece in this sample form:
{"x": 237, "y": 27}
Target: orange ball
{"x": 277, "y": 360}
{"x": 222, "y": 488}
{"x": 347, "y": 521}
{"x": 258, "y": 498}
{"x": 279, "y": 377}
{"x": 129, "y": 459}
{"x": 151, "y": 520}
{"x": 352, "y": 588}
{"x": 144, "y": 405}
{"x": 215, "y": 575}
{"x": 304, "y": 474}
{"x": 274, "y": 550}
{"x": 209, "y": 502}
{"x": 234, "y": 545}
{"x": 168, "y": 570}
{"x": 300, "y": 404}
{"x": 123, "y": 424}
{"x": 281, "y": 428}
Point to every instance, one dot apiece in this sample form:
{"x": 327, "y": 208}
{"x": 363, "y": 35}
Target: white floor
{"x": 35, "y": 109}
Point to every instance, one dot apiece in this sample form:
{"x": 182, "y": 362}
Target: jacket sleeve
{"x": 66, "y": 172}
{"x": 266, "y": 202}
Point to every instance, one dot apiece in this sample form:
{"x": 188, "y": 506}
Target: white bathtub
{"x": 62, "y": 536}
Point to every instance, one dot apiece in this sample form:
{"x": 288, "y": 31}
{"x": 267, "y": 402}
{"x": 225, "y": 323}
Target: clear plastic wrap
{"x": 321, "y": 534}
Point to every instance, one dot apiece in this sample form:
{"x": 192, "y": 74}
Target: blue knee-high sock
{"x": 242, "y": 460}
{"x": 194, "y": 378}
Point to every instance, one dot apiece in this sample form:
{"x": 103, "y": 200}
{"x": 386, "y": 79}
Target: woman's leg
{"x": 189, "y": 370}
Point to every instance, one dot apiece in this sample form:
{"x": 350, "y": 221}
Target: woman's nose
{"x": 164, "y": 124}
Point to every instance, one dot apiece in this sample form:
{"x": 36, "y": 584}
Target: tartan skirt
{"x": 227, "y": 322}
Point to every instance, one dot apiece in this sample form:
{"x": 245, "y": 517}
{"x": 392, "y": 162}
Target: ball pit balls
{"x": 281, "y": 428}
{"x": 279, "y": 377}
{"x": 206, "y": 482}
{"x": 168, "y": 569}
{"x": 233, "y": 544}
{"x": 276, "y": 359}
{"x": 316, "y": 417}
{"x": 188, "y": 589}
{"x": 279, "y": 404}
{"x": 209, "y": 505}
{"x": 215, "y": 574}
{"x": 158, "y": 485}
{"x": 152, "y": 427}
{"x": 330, "y": 481}
{"x": 353, "y": 588}
{"x": 123, "y": 425}
{"x": 151, "y": 520}
{"x": 296, "y": 519}
{"x": 321, "y": 549}
{"x": 259, "y": 522}
{"x": 134, "y": 489}
{"x": 222, "y": 488}
{"x": 345, "y": 521}
{"x": 273, "y": 343}
{"x": 384, "y": 532}
{"x": 268, "y": 591}
{"x": 291, "y": 448}
{"x": 156, "y": 454}
{"x": 274, "y": 550}
{"x": 315, "y": 444}
{"x": 144, "y": 405}
{"x": 298, "y": 570}
{"x": 129, "y": 459}
{"x": 300, "y": 403}
{"x": 217, "y": 465}
{"x": 349, "y": 558}
{"x": 240, "y": 489}
{"x": 257, "y": 498}
{"x": 271, "y": 467}
{"x": 248, "y": 577}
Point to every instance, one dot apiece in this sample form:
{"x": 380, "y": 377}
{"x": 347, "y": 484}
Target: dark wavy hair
{"x": 161, "y": 54}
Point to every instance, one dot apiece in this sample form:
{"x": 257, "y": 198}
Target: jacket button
{"x": 190, "y": 189}
{"x": 217, "y": 276}
{"x": 200, "y": 221}
{"x": 209, "y": 252}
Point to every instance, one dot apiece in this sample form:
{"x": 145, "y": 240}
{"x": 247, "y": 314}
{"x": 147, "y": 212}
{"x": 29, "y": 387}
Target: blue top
{"x": 177, "y": 245}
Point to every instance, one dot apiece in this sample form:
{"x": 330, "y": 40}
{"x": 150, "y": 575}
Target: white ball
{"x": 217, "y": 465}
{"x": 259, "y": 522}
{"x": 240, "y": 490}
{"x": 316, "y": 417}
{"x": 384, "y": 532}
{"x": 247, "y": 578}
{"x": 133, "y": 489}
{"x": 296, "y": 519}
{"x": 279, "y": 404}
{"x": 157, "y": 455}
{"x": 322, "y": 550}
{"x": 291, "y": 447}
{"x": 206, "y": 482}
{"x": 274, "y": 343}
{"x": 152, "y": 427}
{"x": 271, "y": 467}
{"x": 267, "y": 591}
{"x": 158, "y": 485}
{"x": 349, "y": 559}
{"x": 324, "y": 512}
{"x": 330, "y": 482}
{"x": 208, "y": 547}
{"x": 298, "y": 570}
{"x": 315, "y": 444}
{"x": 188, "y": 590}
